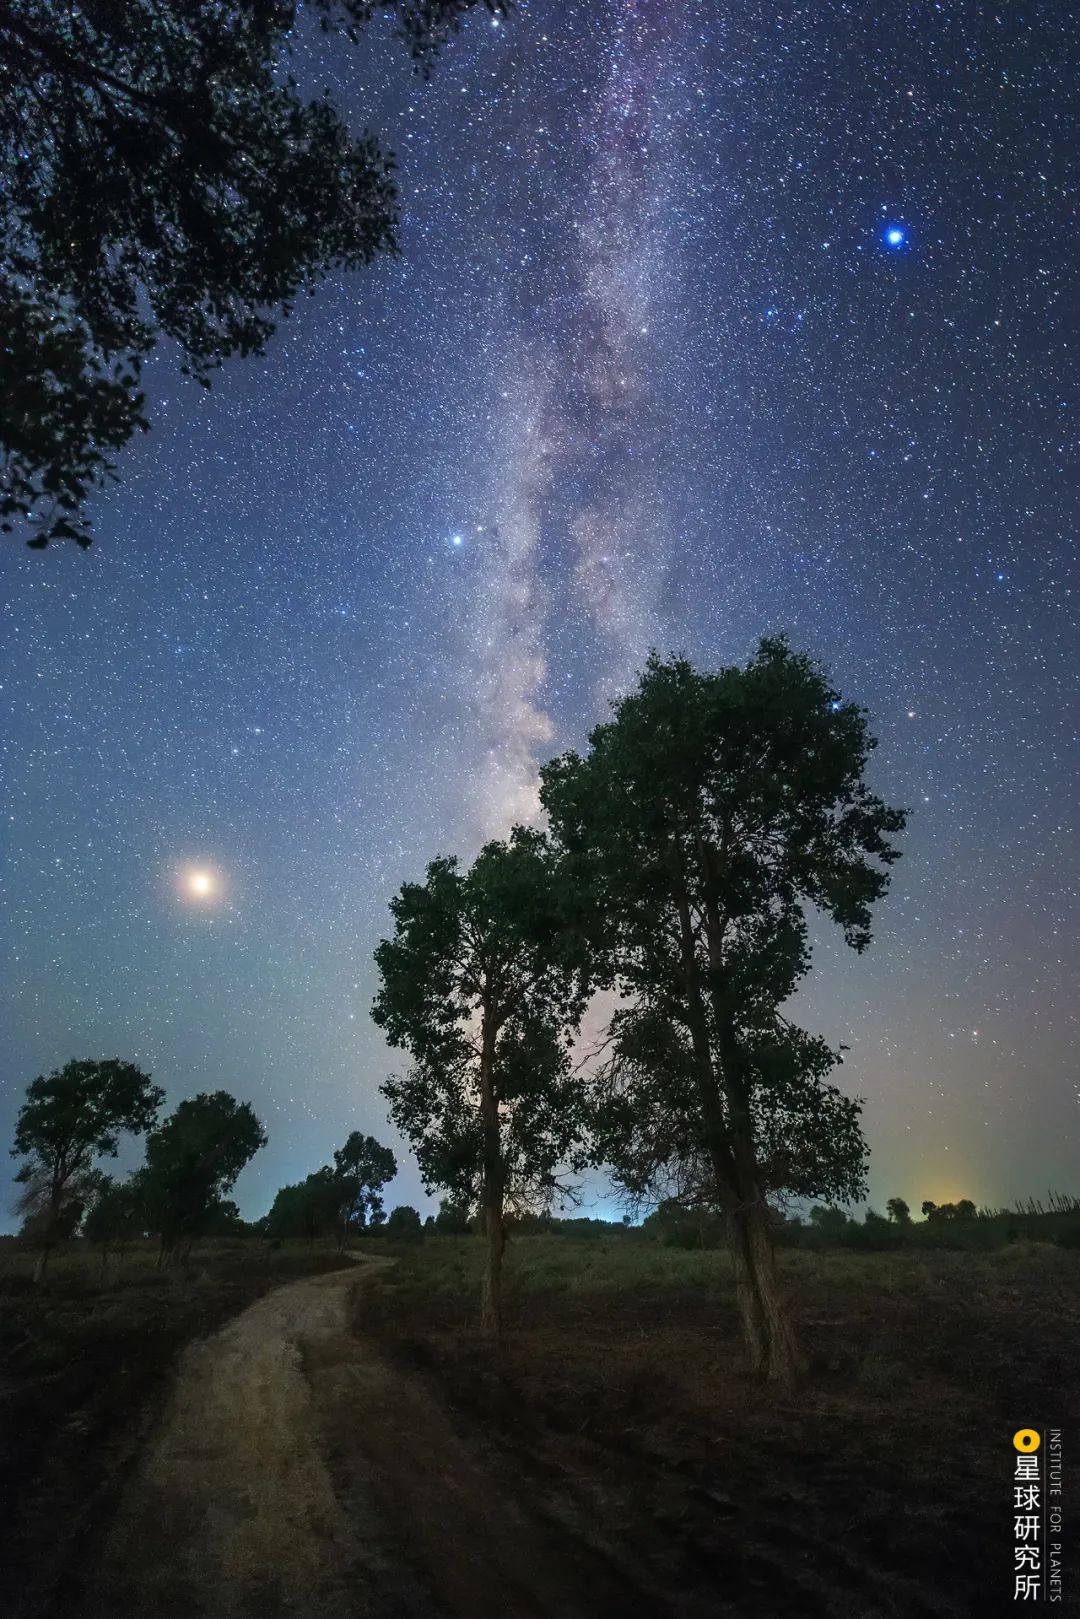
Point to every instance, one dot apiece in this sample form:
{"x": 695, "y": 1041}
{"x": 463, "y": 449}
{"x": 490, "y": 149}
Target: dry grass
{"x": 881, "y": 1487}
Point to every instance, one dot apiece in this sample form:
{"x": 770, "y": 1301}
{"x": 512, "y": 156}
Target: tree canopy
{"x": 338, "y": 1200}
{"x": 403, "y": 1224}
{"x": 70, "y": 1118}
{"x": 482, "y": 983}
{"x": 709, "y": 815}
{"x": 308, "y": 1209}
{"x": 192, "y": 1159}
{"x": 163, "y": 176}
{"x": 362, "y": 1167}
{"x": 115, "y": 1214}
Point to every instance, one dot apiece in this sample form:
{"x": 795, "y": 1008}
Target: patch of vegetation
{"x": 877, "y": 1489}
{"x": 84, "y": 1363}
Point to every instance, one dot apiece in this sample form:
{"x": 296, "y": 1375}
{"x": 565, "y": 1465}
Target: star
{"x": 200, "y": 884}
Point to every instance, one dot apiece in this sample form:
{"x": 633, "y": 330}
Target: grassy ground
{"x": 883, "y": 1488}
{"x": 84, "y": 1364}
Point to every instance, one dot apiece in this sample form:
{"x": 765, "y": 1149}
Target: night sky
{"x": 711, "y": 321}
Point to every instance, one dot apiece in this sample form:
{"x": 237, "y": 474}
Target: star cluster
{"x": 709, "y": 322}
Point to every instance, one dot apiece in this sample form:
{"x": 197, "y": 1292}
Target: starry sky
{"x": 710, "y": 321}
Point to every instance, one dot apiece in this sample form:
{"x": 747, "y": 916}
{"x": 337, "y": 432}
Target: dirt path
{"x": 295, "y": 1472}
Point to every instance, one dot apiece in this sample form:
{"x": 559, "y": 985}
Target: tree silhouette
{"x": 898, "y": 1211}
{"x": 115, "y": 1216}
{"x": 71, "y": 1117}
{"x": 162, "y": 176}
{"x": 309, "y": 1210}
{"x": 361, "y": 1169}
{"x": 481, "y": 984}
{"x": 705, "y": 818}
{"x": 404, "y": 1225}
{"x": 192, "y": 1160}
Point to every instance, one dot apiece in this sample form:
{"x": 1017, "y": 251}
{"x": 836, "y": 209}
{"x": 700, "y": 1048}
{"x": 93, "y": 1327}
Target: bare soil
{"x": 86, "y": 1362}
{"x": 296, "y": 1471}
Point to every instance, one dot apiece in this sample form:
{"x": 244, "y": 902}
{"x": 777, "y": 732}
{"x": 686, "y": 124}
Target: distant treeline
{"x": 948, "y": 1225}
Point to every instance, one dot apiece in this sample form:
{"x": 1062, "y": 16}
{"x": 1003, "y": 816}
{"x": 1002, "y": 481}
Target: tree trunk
{"x": 770, "y": 1337}
{"x": 491, "y": 1317}
{"x": 41, "y": 1263}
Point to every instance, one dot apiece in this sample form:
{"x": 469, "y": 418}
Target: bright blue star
{"x": 894, "y": 236}
{"x": 457, "y": 539}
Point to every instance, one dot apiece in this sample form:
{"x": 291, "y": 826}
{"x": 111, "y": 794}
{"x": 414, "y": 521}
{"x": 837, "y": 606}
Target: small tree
{"x": 115, "y": 1216}
{"x": 192, "y": 1160}
{"x": 831, "y": 1222}
{"x": 929, "y": 1209}
{"x": 453, "y": 1217}
{"x": 706, "y": 818}
{"x": 70, "y": 1118}
{"x": 361, "y": 1169}
{"x": 898, "y": 1211}
{"x": 404, "y": 1224}
{"x": 309, "y": 1210}
{"x": 482, "y": 983}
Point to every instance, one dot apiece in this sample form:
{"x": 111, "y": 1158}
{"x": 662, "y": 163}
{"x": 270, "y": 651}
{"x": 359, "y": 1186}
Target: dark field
{"x": 619, "y": 1414}
{"x": 883, "y": 1488}
{"x": 85, "y": 1362}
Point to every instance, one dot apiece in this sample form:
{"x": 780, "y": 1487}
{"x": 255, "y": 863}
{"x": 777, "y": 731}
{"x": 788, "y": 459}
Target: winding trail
{"x": 295, "y": 1472}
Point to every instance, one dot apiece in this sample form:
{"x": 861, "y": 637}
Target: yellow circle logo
{"x": 1026, "y": 1439}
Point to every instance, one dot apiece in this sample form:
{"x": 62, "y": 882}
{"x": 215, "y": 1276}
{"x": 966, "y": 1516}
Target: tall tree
{"x": 192, "y": 1159}
{"x": 163, "y": 176}
{"x": 361, "y": 1169}
{"x": 711, "y": 811}
{"x": 70, "y": 1118}
{"x": 482, "y": 983}
{"x": 898, "y": 1211}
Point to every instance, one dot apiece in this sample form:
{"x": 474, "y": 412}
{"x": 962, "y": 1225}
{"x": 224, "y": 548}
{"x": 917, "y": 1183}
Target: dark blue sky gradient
{"x": 647, "y": 373}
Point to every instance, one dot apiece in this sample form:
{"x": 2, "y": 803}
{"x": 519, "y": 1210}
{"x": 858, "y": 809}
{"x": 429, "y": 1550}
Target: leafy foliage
{"x": 192, "y": 1160}
{"x": 115, "y": 1215}
{"x": 71, "y": 1117}
{"x": 403, "y": 1224}
{"x": 482, "y": 983}
{"x": 491, "y": 951}
{"x": 362, "y": 1167}
{"x": 709, "y": 814}
{"x": 309, "y": 1209}
{"x": 453, "y": 1218}
{"x": 338, "y": 1200}
{"x": 162, "y": 176}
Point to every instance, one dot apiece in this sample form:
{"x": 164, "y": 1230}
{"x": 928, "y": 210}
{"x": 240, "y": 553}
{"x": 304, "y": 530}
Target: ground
{"x": 85, "y": 1364}
{"x": 883, "y": 1488}
{"x": 350, "y": 1445}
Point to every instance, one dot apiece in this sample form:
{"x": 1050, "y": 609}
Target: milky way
{"x": 654, "y": 368}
